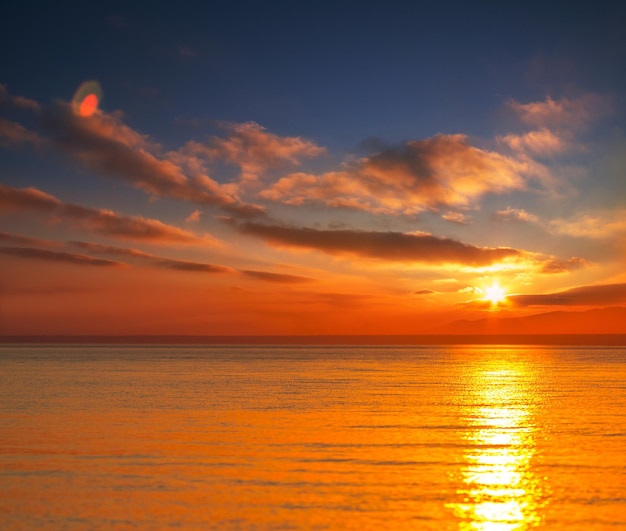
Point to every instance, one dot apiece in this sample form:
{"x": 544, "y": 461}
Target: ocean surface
{"x": 282, "y": 438}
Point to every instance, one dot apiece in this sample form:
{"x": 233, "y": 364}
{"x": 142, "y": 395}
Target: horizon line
{"x": 322, "y": 339}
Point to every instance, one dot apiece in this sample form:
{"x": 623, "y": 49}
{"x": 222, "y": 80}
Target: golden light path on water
{"x": 499, "y": 488}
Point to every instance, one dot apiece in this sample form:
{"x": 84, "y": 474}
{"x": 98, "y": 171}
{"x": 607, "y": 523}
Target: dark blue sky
{"x": 335, "y": 72}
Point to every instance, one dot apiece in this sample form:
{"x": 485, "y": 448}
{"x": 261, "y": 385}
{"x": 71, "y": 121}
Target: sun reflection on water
{"x": 499, "y": 490}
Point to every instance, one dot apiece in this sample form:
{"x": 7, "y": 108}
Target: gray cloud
{"x": 583, "y": 295}
{"x": 387, "y": 246}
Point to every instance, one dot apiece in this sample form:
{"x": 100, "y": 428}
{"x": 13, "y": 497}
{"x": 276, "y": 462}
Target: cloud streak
{"x": 17, "y": 239}
{"x": 277, "y": 278}
{"x": 385, "y": 246}
{"x": 58, "y": 256}
{"x": 101, "y": 221}
{"x": 580, "y": 296}
{"x": 19, "y": 102}
{"x": 90, "y": 253}
{"x": 150, "y": 259}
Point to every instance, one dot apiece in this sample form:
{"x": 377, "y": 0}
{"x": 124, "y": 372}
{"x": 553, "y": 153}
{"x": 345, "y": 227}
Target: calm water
{"x": 492, "y": 439}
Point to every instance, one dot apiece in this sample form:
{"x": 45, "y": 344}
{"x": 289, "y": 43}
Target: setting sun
{"x": 495, "y": 294}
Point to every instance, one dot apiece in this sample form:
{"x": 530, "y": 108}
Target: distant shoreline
{"x": 330, "y": 340}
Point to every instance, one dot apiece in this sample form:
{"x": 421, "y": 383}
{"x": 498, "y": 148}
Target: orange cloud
{"x": 105, "y": 145}
{"x": 101, "y": 221}
{"x": 16, "y": 199}
{"x": 14, "y": 133}
{"x": 564, "y": 113}
{"x": 194, "y": 217}
{"x": 254, "y": 150}
{"x": 444, "y": 170}
{"x": 386, "y": 246}
{"x": 541, "y": 142}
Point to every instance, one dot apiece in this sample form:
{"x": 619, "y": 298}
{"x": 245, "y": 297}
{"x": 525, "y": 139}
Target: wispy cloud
{"x": 19, "y": 102}
{"x": 510, "y": 214}
{"x": 17, "y": 239}
{"x": 593, "y": 225}
{"x": 194, "y": 217}
{"x": 14, "y": 133}
{"x": 150, "y": 259}
{"x": 253, "y": 149}
{"x": 563, "y": 113}
{"x": 557, "y": 265}
{"x": 184, "y": 265}
{"x": 101, "y": 221}
{"x": 385, "y": 246}
{"x": 457, "y": 217}
{"x": 39, "y": 249}
{"x": 541, "y": 143}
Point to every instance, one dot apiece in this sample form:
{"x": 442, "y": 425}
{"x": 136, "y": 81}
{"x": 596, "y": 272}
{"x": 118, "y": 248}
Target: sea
{"x": 288, "y": 438}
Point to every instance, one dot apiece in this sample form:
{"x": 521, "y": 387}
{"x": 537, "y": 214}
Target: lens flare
{"x": 87, "y": 98}
{"x": 89, "y": 105}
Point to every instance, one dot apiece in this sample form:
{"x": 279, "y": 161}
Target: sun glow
{"x": 495, "y": 294}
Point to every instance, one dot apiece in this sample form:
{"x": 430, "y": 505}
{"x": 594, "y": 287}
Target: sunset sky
{"x": 309, "y": 168}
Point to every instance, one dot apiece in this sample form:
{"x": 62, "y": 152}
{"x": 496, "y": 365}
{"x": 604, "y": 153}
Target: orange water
{"x": 492, "y": 439}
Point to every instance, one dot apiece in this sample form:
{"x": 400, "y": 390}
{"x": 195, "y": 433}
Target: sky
{"x": 251, "y": 168}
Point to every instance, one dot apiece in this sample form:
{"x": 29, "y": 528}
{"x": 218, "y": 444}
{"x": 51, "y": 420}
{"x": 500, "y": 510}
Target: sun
{"x": 495, "y": 294}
